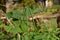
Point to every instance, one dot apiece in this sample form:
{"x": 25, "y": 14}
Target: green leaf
{"x": 8, "y": 28}
{"x": 1, "y": 35}
{"x": 9, "y": 14}
{"x": 24, "y": 27}
{"x": 26, "y": 37}
{"x": 0, "y": 22}
{"x": 16, "y": 14}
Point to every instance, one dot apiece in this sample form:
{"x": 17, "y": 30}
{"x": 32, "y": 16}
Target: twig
{"x": 18, "y": 36}
{"x": 44, "y": 16}
{"x": 10, "y": 22}
{"x": 2, "y": 5}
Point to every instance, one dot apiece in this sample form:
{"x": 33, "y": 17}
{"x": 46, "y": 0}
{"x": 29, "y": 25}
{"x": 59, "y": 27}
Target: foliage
{"x": 23, "y": 29}
{"x": 2, "y": 2}
{"x": 27, "y": 2}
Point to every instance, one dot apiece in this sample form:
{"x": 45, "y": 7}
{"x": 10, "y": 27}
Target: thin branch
{"x": 2, "y": 5}
{"x": 44, "y": 16}
{"x": 18, "y": 36}
{"x": 10, "y": 23}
